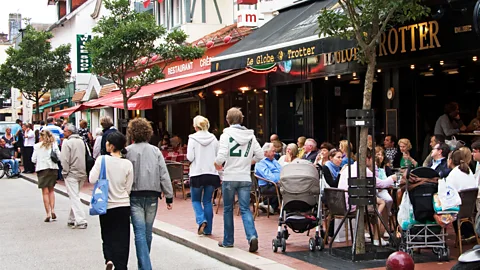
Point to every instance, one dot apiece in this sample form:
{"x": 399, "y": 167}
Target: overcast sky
{"x": 37, "y": 10}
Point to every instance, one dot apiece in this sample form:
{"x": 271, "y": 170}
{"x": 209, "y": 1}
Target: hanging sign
{"x": 84, "y": 63}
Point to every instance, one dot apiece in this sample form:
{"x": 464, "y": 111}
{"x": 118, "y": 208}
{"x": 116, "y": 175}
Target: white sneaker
{"x": 367, "y": 236}
{"x": 272, "y": 211}
{"x": 386, "y": 235}
{"x": 376, "y": 243}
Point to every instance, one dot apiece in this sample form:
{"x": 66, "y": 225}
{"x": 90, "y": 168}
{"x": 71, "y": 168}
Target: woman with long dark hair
{"x": 115, "y": 224}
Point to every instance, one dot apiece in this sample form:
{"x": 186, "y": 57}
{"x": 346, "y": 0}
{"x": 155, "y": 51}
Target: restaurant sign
{"x": 62, "y": 93}
{"x": 84, "y": 62}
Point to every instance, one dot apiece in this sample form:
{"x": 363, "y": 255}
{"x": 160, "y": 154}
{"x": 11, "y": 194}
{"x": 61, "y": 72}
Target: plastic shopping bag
{"x": 405, "y": 213}
{"x": 448, "y": 196}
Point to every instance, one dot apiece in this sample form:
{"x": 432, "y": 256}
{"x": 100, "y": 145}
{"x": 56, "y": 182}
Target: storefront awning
{"x": 143, "y": 99}
{"x": 218, "y": 79}
{"x": 292, "y": 34}
{"x": 51, "y": 104}
{"x": 66, "y": 112}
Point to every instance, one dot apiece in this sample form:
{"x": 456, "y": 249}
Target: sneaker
{"x": 71, "y": 224}
{"x": 386, "y": 235}
{"x": 271, "y": 210}
{"x": 109, "y": 266}
{"x": 367, "y": 236}
{"x": 253, "y": 245}
{"x": 376, "y": 243}
{"x": 220, "y": 244}
{"x": 81, "y": 226}
{"x": 201, "y": 228}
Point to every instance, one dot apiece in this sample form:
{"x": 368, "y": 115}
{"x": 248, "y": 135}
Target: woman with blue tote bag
{"x": 115, "y": 223}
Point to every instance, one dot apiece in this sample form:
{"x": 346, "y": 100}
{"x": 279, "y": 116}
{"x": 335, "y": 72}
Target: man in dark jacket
{"x": 439, "y": 159}
{"x": 392, "y": 151}
{"x": 107, "y": 124}
{"x": 310, "y": 150}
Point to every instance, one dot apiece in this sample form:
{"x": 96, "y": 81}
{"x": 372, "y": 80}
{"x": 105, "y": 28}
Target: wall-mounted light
{"x": 326, "y": 78}
{"x": 339, "y": 76}
{"x": 441, "y": 63}
{"x": 474, "y": 59}
{"x": 217, "y": 92}
{"x": 354, "y": 74}
{"x": 379, "y": 70}
{"x": 244, "y": 89}
{"x": 412, "y": 66}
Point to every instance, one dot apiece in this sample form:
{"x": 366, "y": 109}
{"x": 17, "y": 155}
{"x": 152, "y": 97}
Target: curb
{"x": 231, "y": 256}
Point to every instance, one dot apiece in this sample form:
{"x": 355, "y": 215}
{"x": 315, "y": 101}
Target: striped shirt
{"x": 56, "y": 131}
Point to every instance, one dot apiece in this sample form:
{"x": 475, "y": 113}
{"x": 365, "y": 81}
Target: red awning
{"x": 143, "y": 99}
{"x": 66, "y": 112}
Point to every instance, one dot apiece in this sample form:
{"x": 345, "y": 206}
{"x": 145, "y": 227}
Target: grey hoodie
{"x": 238, "y": 147}
{"x": 201, "y": 152}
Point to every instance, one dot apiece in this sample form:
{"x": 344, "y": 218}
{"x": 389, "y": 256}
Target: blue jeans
{"x": 205, "y": 213}
{"x": 143, "y": 211}
{"x": 13, "y": 164}
{"x": 228, "y": 191}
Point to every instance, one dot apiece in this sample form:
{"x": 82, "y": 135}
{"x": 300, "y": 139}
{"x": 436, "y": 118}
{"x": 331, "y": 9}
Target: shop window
{"x": 139, "y": 7}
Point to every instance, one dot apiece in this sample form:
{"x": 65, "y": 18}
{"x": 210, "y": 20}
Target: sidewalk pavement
{"x": 27, "y": 242}
{"x": 236, "y": 257}
{"x": 179, "y": 226}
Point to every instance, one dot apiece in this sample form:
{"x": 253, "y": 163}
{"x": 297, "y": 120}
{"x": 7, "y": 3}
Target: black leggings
{"x": 115, "y": 226}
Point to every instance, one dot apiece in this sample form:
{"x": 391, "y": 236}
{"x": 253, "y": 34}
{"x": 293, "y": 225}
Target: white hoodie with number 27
{"x": 238, "y": 146}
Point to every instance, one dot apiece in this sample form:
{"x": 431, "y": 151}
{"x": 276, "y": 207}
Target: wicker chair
{"x": 466, "y": 213}
{"x": 262, "y": 197}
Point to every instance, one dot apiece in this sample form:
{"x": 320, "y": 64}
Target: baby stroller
{"x": 301, "y": 205}
{"x": 424, "y": 231}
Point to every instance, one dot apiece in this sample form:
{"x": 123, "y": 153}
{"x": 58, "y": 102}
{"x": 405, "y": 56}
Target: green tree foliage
{"x": 124, "y": 44}
{"x": 34, "y": 68}
{"x": 365, "y": 21}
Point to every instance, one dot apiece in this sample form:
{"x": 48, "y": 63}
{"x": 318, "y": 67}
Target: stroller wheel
{"x": 312, "y": 245}
{"x": 285, "y": 233}
{"x": 410, "y": 252}
{"x": 320, "y": 244}
{"x": 436, "y": 250}
{"x": 284, "y": 244}
{"x": 445, "y": 255}
{"x": 403, "y": 247}
{"x": 274, "y": 245}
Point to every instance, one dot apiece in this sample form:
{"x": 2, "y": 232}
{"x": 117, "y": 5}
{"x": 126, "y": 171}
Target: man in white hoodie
{"x": 238, "y": 147}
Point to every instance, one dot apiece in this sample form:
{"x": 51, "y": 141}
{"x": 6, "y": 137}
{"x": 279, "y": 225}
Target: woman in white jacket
{"x": 204, "y": 179}
{"x": 47, "y": 170}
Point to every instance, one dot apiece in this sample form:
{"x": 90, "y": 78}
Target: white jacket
{"x": 41, "y": 156}
{"x": 201, "y": 152}
{"x": 238, "y": 146}
{"x": 460, "y": 180}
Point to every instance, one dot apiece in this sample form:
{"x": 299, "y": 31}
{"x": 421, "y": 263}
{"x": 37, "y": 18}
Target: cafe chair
{"x": 175, "y": 170}
{"x": 265, "y": 196}
{"x": 466, "y": 213}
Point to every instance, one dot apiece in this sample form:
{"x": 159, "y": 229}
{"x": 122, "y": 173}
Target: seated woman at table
{"x": 164, "y": 144}
{"x": 383, "y": 171}
{"x": 332, "y": 168}
{"x": 322, "y": 157}
{"x": 475, "y": 123}
{"x": 407, "y": 160}
{"x": 461, "y": 178}
{"x": 343, "y": 147}
{"x": 290, "y": 155}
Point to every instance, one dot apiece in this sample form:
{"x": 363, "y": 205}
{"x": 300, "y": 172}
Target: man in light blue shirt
{"x": 439, "y": 159}
{"x": 56, "y": 131}
{"x": 268, "y": 168}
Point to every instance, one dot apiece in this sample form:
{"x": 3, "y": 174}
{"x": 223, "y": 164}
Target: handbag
{"x": 454, "y": 143}
{"x": 99, "y": 201}
{"x": 54, "y": 156}
{"x": 89, "y": 160}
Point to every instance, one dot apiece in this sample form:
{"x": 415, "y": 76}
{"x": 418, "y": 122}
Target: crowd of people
{"x": 138, "y": 173}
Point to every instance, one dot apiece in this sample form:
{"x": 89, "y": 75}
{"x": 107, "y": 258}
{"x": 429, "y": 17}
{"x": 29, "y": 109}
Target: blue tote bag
{"x": 99, "y": 202}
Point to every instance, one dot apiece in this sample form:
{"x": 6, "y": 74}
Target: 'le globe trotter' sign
{"x": 84, "y": 63}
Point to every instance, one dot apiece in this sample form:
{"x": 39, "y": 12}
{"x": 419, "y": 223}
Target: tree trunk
{"x": 125, "y": 107}
{"x": 362, "y": 155}
{"x": 37, "y": 108}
